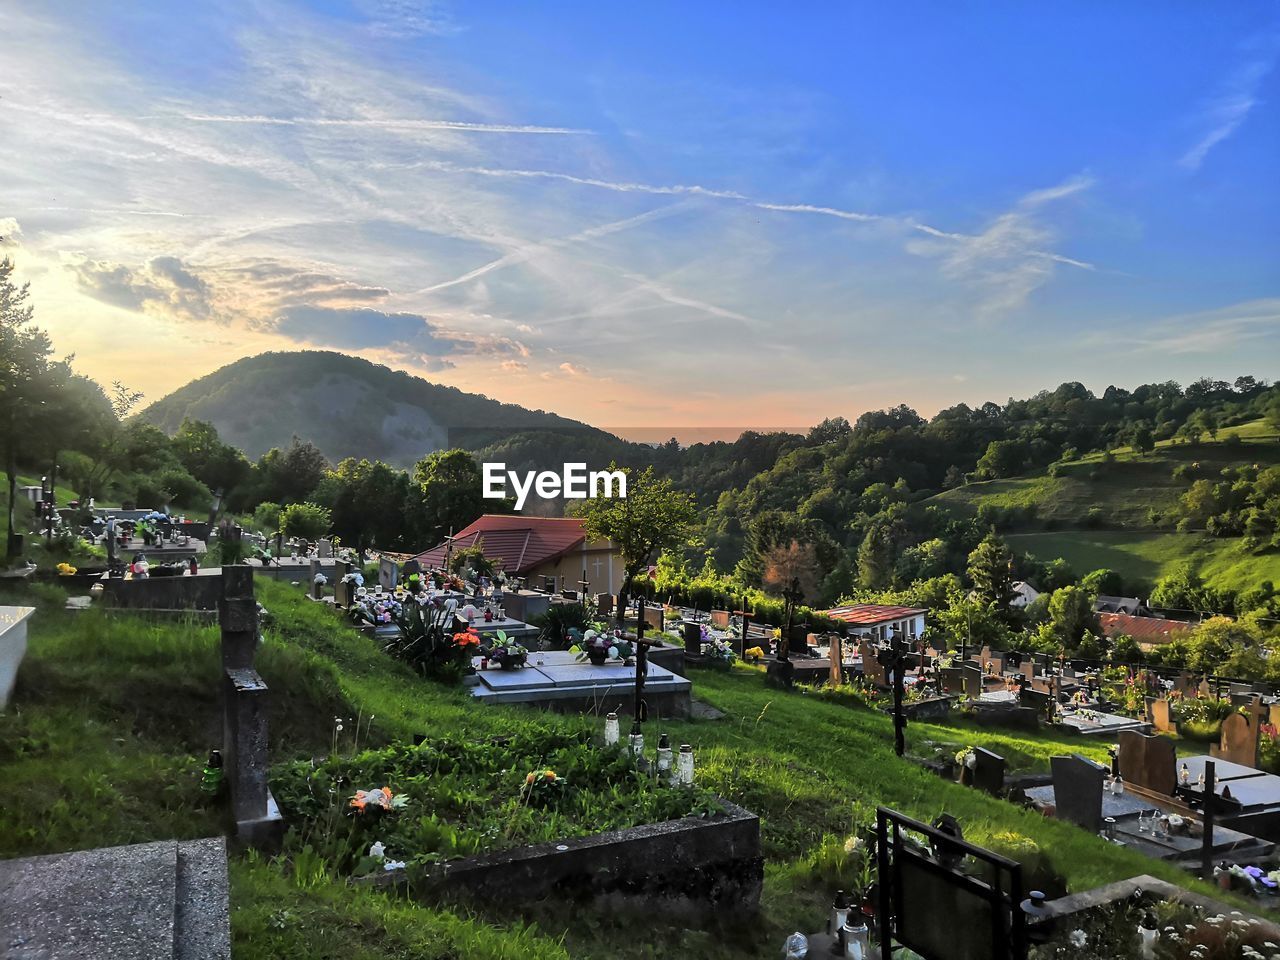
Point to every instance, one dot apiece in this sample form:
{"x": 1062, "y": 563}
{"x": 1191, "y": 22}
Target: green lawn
{"x": 113, "y": 715}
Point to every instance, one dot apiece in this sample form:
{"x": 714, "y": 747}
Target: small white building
{"x": 876, "y": 622}
{"x": 1023, "y": 594}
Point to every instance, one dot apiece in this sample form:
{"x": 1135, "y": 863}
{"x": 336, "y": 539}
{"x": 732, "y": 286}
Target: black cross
{"x": 790, "y": 597}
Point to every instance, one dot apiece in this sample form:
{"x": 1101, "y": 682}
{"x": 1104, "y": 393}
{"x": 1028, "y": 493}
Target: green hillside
{"x": 1118, "y": 512}
{"x": 1087, "y": 490}
{"x": 346, "y": 406}
{"x": 1145, "y": 557}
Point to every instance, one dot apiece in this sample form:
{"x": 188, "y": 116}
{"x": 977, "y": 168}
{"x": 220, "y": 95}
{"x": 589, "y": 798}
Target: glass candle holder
{"x": 684, "y": 766}
{"x": 610, "y": 729}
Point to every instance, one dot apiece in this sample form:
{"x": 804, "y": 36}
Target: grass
{"x": 112, "y": 716}
{"x": 1146, "y": 557}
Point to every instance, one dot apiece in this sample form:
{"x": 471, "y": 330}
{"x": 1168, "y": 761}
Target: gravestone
{"x": 324, "y": 548}
{"x": 1161, "y": 716}
{"x": 244, "y": 714}
{"x": 691, "y": 631}
{"x": 344, "y": 590}
{"x": 1147, "y": 761}
{"x": 1273, "y": 715}
{"x": 720, "y": 619}
{"x": 988, "y": 771}
{"x": 1239, "y": 741}
{"x": 984, "y": 656}
{"x": 1077, "y": 790}
{"x": 1035, "y": 699}
{"x": 653, "y": 617}
{"x": 388, "y": 573}
{"x": 604, "y": 604}
{"x": 835, "y": 653}
{"x": 972, "y": 682}
{"x": 313, "y": 588}
{"x": 1207, "y": 689}
{"x": 1027, "y": 670}
{"x": 1185, "y": 683}
{"x": 953, "y": 680}
{"x": 872, "y": 668}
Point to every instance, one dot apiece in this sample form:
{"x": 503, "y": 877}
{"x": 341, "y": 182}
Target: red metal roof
{"x": 871, "y": 614}
{"x": 1142, "y": 629}
{"x": 521, "y": 543}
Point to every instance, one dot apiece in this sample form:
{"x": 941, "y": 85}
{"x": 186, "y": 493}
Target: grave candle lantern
{"x": 855, "y": 941}
{"x": 839, "y": 913}
{"x": 684, "y": 766}
{"x": 664, "y": 756}
{"x": 610, "y": 730}
{"x": 635, "y": 741}
{"x": 1148, "y": 934}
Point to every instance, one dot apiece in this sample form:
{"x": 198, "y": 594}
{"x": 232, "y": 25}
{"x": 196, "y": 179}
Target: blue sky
{"x": 659, "y": 214}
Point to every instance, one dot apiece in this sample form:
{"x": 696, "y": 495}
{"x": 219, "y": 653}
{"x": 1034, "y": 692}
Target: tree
{"x": 1071, "y": 617}
{"x": 1004, "y": 458}
{"x": 218, "y": 465}
{"x": 309, "y": 521}
{"x": 290, "y": 475}
{"x": 449, "y": 485}
{"x": 1143, "y": 439}
{"x": 369, "y": 501}
{"x": 654, "y": 516}
{"x": 991, "y": 572}
{"x": 30, "y": 384}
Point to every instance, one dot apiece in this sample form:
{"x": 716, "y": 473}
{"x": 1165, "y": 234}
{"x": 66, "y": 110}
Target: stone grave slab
{"x": 1093, "y": 723}
{"x": 1223, "y": 770}
{"x": 115, "y": 902}
{"x": 1077, "y": 789}
{"x": 526, "y": 678}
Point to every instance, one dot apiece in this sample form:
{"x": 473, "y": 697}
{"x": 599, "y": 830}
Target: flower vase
{"x": 597, "y": 657}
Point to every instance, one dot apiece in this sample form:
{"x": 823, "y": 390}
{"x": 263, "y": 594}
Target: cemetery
{"x": 419, "y": 735}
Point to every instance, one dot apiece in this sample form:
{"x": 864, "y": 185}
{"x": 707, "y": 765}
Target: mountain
{"x": 349, "y": 407}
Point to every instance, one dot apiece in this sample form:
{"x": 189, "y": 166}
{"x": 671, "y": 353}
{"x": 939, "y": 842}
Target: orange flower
{"x": 528, "y": 781}
{"x": 549, "y": 775}
{"x": 380, "y": 797}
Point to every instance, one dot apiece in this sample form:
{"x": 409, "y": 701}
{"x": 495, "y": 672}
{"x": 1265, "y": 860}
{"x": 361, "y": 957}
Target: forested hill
{"x": 348, "y": 407}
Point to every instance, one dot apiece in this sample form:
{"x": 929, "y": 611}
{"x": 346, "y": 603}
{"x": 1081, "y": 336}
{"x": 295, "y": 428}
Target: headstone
{"x": 324, "y": 548}
{"x": 972, "y": 682}
{"x": 1035, "y": 699}
{"x": 344, "y": 591}
{"x": 835, "y": 653}
{"x": 1207, "y": 689}
{"x": 1273, "y": 716}
{"x": 872, "y": 669}
{"x": 1239, "y": 742}
{"x": 238, "y": 617}
{"x": 653, "y": 617}
{"x": 720, "y": 619}
{"x": 1027, "y": 669}
{"x": 988, "y": 771}
{"x": 1147, "y": 761}
{"x": 388, "y": 573}
{"x": 953, "y": 680}
{"x": 317, "y": 591}
{"x": 604, "y": 604}
{"x": 1161, "y": 716}
{"x": 692, "y": 633}
{"x": 984, "y": 656}
{"x": 1077, "y": 790}
{"x": 1184, "y": 683}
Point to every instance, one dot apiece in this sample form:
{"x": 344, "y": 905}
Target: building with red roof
{"x": 538, "y": 547}
{"x": 879, "y": 622}
{"x": 1148, "y": 631}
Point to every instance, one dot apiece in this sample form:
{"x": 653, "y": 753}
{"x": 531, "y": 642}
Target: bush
{"x": 266, "y": 517}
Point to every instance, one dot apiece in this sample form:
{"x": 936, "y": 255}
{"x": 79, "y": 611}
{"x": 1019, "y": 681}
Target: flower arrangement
{"x": 372, "y": 608}
{"x": 718, "y": 652}
{"x": 505, "y": 653}
{"x": 599, "y": 647}
{"x": 542, "y": 788}
{"x": 379, "y": 799}
{"x": 754, "y": 654}
{"x": 66, "y": 570}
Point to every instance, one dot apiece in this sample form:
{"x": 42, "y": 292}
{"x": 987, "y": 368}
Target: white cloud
{"x": 1207, "y": 332}
{"x": 1222, "y": 115}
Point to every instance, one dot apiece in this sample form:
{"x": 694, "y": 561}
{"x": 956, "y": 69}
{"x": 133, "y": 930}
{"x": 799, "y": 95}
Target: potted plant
{"x": 596, "y": 647}
{"x": 506, "y": 653}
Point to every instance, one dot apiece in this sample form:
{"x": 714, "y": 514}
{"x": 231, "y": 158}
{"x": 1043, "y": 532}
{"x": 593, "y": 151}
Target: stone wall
{"x": 163, "y": 593}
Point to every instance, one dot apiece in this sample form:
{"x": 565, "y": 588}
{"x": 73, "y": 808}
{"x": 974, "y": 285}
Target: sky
{"x": 655, "y": 215}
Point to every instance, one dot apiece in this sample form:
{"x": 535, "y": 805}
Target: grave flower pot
{"x": 597, "y": 657}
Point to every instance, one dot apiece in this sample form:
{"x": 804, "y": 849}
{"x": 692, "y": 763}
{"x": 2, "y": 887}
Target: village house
{"x": 878, "y": 622}
{"x": 536, "y": 548}
{"x": 1148, "y": 631}
{"x": 1023, "y": 594}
